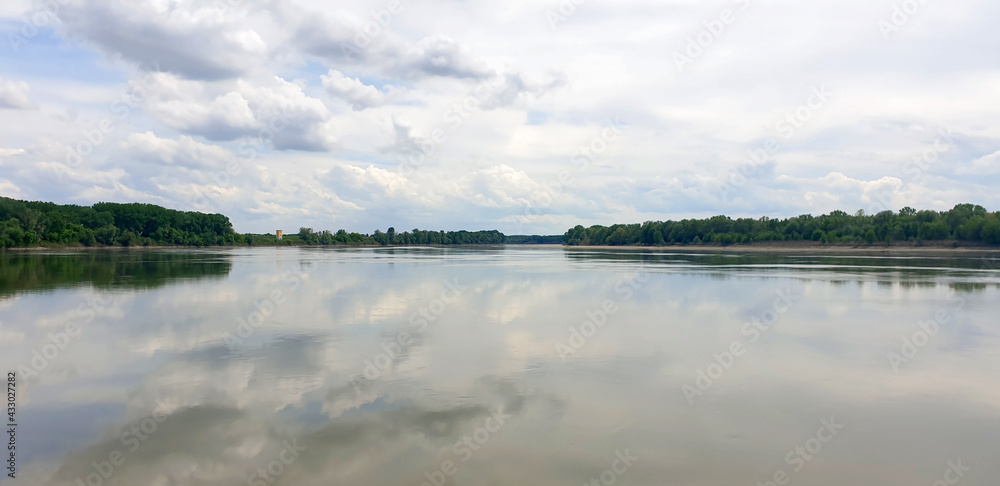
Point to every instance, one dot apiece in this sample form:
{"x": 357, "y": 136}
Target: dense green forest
{"x": 391, "y": 237}
{"x": 965, "y": 223}
{"x": 534, "y": 240}
{"x": 26, "y": 224}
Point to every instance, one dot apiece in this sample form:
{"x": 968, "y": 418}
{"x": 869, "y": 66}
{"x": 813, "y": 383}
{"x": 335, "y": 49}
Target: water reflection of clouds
{"x": 825, "y": 355}
{"x": 218, "y": 444}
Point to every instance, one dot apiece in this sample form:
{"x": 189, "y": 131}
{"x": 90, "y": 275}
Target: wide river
{"x": 500, "y": 366}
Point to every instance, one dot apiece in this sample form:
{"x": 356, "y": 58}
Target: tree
{"x": 308, "y": 236}
{"x": 991, "y": 230}
{"x": 111, "y": 224}
{"x": 576, "y": 236}
{"x": 965, "y": 222}
{"x": 617, "y": 238}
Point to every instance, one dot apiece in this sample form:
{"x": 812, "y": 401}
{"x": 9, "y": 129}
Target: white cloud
{"x": 183, "y": 152}
{"x": 226, "y": 117}
{"x": 985, "y": 165}
{"x": 270, "y": 111}
{"x": 10, "y": 152}
{"x": 8, "y": 189}
{"x": 14, "y": 94}
{"x": 359, "y": 95}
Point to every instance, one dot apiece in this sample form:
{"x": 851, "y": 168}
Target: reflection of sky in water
{"x": 163, "y": 337}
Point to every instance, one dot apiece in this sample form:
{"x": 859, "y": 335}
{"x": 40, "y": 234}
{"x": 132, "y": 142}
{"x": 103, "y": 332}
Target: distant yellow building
{"x": 279, "y": 234}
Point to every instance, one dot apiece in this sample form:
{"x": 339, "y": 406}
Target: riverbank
{"x": 134, "y": 248}
{"x": 808, "y": 248}
{"x": 794, "y": 248}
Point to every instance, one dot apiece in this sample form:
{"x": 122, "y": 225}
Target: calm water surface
{"x": 506, "y": 366}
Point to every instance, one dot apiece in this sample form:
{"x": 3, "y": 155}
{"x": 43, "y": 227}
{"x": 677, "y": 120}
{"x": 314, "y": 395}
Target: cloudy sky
{"x": 527, "y": 117}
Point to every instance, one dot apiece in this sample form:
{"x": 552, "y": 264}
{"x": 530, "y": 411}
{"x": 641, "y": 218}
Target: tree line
{"x": 391, "y": 238}
{"x": 29, "y": 223}
{"x": 964, "y": 223}
{"x": 25, "y": 224}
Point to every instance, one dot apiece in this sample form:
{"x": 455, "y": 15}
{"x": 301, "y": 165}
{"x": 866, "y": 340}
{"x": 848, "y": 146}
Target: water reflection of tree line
{"x": 903, "y": 270}
{"x": 30, "y": 272}
{"x": 916, "y": 263}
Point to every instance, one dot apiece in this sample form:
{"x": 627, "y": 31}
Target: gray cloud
{"x": 197, "y": 42}
{"x": 442, "y": 56}
{"x": 517, "y": 86}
